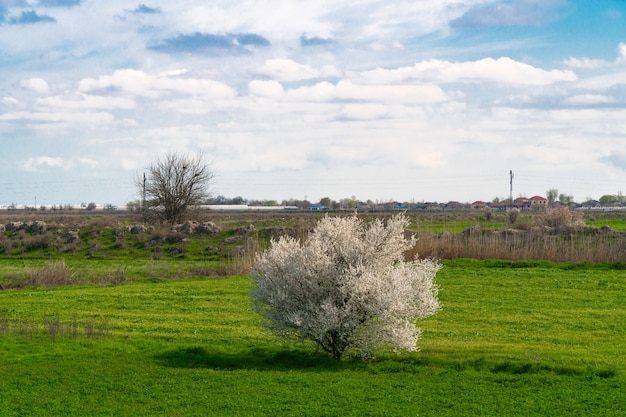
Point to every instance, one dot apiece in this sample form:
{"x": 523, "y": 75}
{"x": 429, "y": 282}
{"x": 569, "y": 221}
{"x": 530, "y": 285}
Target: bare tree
{"x": 175, "y": 184}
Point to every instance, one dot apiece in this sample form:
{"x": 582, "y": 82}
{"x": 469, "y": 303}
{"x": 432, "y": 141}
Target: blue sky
{"x": 404, "y": 100}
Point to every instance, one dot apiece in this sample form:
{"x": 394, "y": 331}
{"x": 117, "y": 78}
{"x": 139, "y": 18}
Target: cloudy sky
{"x": 423, "y": 100}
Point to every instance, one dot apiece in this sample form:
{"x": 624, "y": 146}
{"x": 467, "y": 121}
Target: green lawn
{"x": 544, "y": 340}
{"x": 615, "y": 223}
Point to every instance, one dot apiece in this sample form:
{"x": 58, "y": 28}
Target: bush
{"x": 513, "y": 215}
{"x": 346, "y": 286}
{"x": 52, "y": 274}
{"x": 36, "y": 242}
{"x": 561, "y": 216}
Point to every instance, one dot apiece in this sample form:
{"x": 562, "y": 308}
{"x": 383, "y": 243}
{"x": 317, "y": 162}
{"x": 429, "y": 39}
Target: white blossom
{"x": 347, "y": 285}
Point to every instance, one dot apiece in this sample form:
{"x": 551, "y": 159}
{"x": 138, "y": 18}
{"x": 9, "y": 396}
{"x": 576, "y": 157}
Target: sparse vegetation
{"x": 52, "y": 326}
{"x": 57, "y": 273}
{"x": 228, "y": 242}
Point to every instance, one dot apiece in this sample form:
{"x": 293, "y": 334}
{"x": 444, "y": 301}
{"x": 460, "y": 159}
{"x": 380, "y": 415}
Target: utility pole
{"x": 143, "y": 195}
{"x": 511, "y": 190}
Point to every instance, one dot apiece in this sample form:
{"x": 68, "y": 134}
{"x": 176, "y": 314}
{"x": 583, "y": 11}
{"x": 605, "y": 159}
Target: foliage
{"x": 513, "y": 215}
{"x": 566, "y": 199}
{"x": 175, "y": 184}
{"x": 561, "y": 216}
{"x": 551, "y": 195}
{"x": 347, "y": 285}
{"x": 134, "y": 205}
{"x": 612, "y": 199}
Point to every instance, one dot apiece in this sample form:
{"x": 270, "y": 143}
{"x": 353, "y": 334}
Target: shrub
{"x": 513, "y": 215}
{"x": 114, "y": 278}
{"x": 167, "y": 236}
{"x": 561, "y": 216}
{"x": 6, "y": 245}
{"x": 347, "y": 285}
{"x": 52, "y": 274}
{"x": 36, "y": 242}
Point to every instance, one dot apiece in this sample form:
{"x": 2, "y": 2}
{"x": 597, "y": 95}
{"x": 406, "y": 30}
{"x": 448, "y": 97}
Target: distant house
{"x": 521, "y": 202}
{"x": 499, "y": 206}
{"x": 538, "y": 201}
{"x": 479, "y": 204}
{"x": 453, "y": 205}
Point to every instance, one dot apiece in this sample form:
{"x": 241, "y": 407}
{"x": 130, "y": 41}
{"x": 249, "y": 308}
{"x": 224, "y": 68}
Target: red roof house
{"x": 538, "y": 201}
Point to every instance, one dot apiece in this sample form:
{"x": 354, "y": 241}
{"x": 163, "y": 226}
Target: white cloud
{"x": 589, "y": 99}
{"x": 127, "y": 80}
{"x": 505, "y": 71}
{"x": 430, "y": 158}
{"x": 79, "y": 101}
{"x": 289, "y": 70}
{"x": 190, "y": 106}
{"x": 322, "y": 91}
{"x": 266, "y": 89}
{"x": 38, "y": 85}
{"x": 586, "y": 63}
{"x": 88, "y": 162}
{"x": 590, "y": 64}
{"x": 34, "y": 164}
{"x": 346, "y": 90}
{"x": 378, "y": 46}
{"x": 622, "y": 51}
{"x": 517, "y": 13}
{"x": 364, "y": 111}
{"x": 285, "y": 21}
{"x": 10, "y": 101}
{"x": 407, "y": 93}
{"x": 60, "y": 120}
{"x": 140, "y": 83}
{"x": 603, "y": 81}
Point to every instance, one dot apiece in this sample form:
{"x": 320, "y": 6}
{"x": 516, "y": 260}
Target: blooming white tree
{"x": 346, "y": 286}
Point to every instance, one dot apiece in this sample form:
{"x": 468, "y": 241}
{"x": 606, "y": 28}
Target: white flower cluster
{"x": 346, "y": 286}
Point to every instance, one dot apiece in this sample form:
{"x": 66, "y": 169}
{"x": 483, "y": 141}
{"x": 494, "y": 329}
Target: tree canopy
{"x": 346, "y": 286}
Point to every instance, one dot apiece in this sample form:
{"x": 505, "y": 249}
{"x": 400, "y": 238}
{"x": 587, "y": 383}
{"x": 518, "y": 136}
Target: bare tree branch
{"x": 174, "y": 184}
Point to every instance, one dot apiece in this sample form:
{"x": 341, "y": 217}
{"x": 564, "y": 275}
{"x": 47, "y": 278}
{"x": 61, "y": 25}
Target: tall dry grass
{"x": 58, "y": 273}
{"x": 52, "y": 274}
{"x": 536, "y": 243}
{"x": 557, "y": 235}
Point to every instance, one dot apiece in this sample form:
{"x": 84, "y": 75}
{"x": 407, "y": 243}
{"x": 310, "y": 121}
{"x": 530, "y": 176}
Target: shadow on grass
{"x": 262, "y": 359}
{"x": 266, "y": 359}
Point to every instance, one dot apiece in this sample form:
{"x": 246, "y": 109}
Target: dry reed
{"x": 536, "y": 244}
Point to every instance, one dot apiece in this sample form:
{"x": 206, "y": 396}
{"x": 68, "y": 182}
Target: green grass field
{"x": 614, "y": 223}
{"x": 519, "y": 341}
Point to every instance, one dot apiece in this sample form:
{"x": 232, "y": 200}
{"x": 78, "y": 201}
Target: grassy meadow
{"x": 514, "y": 338}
